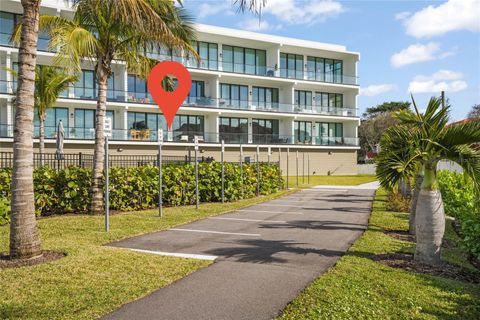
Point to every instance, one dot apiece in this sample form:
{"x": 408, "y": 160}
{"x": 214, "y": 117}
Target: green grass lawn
{"x": 329, "y": 180}
{"x": 359, "y": 288}
{"x": 94, "y": 280}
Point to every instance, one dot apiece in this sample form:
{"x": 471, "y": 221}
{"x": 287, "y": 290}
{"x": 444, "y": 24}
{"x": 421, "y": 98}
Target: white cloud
{"x": 254, "y": 24}
{"x": 402, "y": 15}
{"x": 452, "y": 15}
{"x": 376, "y": 89}
{"x": 207, "y": 8}
{"x": 442, "y": 80}
{"x": 303, "y": 12}
{"x": 418, "y": 53}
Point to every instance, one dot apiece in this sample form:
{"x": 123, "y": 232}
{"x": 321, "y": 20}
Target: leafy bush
{"x": 458, "y": 197}
{"x": 68, "y": 190}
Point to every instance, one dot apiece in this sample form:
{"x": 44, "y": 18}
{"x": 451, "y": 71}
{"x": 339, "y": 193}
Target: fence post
{"x": 288, "y": 155}
{"x": 258, "y": 170}
{"x": 223, "y": 171}
{"x": 80, "y": 164}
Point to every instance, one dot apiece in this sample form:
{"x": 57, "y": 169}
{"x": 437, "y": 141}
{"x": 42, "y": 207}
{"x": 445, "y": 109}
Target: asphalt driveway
{"x": 265, "y": 255}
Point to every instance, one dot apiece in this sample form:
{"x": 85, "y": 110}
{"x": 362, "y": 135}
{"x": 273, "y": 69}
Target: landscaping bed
{"x": 359, "y": 287}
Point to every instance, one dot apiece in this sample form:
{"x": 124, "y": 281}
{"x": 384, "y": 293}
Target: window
{"x": 291, "y": 66}
{"x": 85, "y": 123}
{"x": 303, "y": 100}
{"x": 329, "y": 133}
{"x": 303, "y": 132}
{"x": 233, "y": 130}
{"x": 328, "y": 101}
{"x": 265, "y": 97}
{"x": 84, "y": 88}
{"x": 327, "y": 70}
{"x": 233, "y": 95}
{"x": 137, "y": 90}
{"x": 7, "y": 22}
{"x": 144, "y": 126}
{"x": 197, "y": 90}
{"x": 264, "y": 131}
{"x": 53, "y": 118}
{"x": 186, "y": 125}
{"x": 208, "y": 53}
{"x": 244, "y": 60}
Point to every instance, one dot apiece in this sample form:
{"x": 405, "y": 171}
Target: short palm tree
{"x": 430, "y": 140}
{"x": 49, "y": 84}
{"x": 104, "y": 30}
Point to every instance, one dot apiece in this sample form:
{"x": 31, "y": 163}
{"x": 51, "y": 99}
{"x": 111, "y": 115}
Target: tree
{"x": 103, "y": 30}
{"x": 49, "y": 83}
{"x": 24, "y": 237}
{"x": 432, "y": 139}
{"x": 475, "y": 112}
{"x": 376, "y": 120}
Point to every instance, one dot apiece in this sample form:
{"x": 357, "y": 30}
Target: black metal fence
{"x": 84, "y": 160}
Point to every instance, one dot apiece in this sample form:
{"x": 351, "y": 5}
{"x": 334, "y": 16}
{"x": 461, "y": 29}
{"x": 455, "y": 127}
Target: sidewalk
{"x": 265, "y": 255}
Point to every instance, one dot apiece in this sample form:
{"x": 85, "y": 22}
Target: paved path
{"x": 265, "y": 255}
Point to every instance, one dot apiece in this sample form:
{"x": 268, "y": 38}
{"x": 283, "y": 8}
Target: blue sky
{"x": 405, "y": 46}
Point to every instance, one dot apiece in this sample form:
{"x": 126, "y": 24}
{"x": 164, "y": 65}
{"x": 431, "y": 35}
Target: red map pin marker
{"x": 169, "y": 101}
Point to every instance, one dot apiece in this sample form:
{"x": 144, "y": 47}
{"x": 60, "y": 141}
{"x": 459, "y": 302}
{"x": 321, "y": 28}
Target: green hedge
{"x": 67, "y": 191}
{"x": 458, "y": 197}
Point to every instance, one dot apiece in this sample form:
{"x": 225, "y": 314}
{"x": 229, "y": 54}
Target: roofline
{"x": 263, "y": 37}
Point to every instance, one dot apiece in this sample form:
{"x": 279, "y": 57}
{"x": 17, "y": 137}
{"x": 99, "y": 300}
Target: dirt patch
{"x": 400, "y": 235}
{"x": 445, "y": 270}
{"x": 47, "y": 256}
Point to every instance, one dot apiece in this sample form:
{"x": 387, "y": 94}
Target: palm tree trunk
{"x": 416, "y": 192}
{"x": 24, "y": 237}
{"x": 41, "y": 140}
{"x": 429, "y": 220}
{"x": 96, "y": 206}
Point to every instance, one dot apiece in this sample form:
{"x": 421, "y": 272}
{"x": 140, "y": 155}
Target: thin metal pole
{"x": 297, "y": 166}
{"x": 223, "y": 172}
{"x": 258, "y": 170}
{"x": 303, "y": 167}
{"x": 196, "y": 179}
{"x": 241, "y": 170}
{"x": 308, "y": 160}
{"x": 107, "y": 204}
{"x": 288, "y": 155}
{"x": 280, "y": 166}
{"x": 160, "y": 182}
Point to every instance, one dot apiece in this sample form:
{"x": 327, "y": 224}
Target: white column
{"x": 10, "y": 116}
{"x": 250, "y": 130}
{"x": 9, "y": 77}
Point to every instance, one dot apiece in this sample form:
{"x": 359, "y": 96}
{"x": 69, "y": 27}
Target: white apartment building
{"x": 249, "y": 89}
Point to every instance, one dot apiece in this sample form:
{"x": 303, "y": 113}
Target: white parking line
{"x": 248, "y": 220}
{"x": 218, "y": 232}
{"x": 180, "y": 255}
{"x": 264, "y": 211}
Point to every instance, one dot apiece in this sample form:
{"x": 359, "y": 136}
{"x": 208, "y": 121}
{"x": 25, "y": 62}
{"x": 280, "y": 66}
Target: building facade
{"x": 286, "y": 95}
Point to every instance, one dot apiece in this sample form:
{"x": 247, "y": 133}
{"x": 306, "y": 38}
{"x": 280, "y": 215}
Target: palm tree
{"x": 49, "y": 83}
{"x": 24, "y": 237}
{"x": 104, "y": 30}
{"x": 430, "y": 140}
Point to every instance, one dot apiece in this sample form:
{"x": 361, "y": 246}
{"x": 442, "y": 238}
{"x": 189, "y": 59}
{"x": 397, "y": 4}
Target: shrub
{"x": 397, "y": 203}
{"x": 68, "y": 190}
{"x": 458, "y": 197}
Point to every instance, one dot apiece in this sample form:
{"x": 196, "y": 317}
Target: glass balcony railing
{"x": 199, "y": 102}
{"x": 181, "y": 136}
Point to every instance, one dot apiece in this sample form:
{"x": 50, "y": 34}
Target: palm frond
{"x": 461, "y": 133}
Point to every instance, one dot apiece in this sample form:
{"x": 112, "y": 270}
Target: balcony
{"x": 179, "y": 136}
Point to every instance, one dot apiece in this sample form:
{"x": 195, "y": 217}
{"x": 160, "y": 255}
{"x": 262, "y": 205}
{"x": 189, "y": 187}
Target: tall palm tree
{"x": 24, "y": 237}
{"x": 433, "y": 140}
{"x": 104, "y": 30}
{"x": 49, "y": 84}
